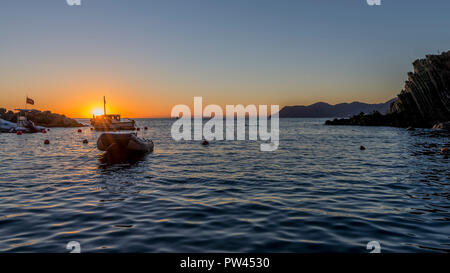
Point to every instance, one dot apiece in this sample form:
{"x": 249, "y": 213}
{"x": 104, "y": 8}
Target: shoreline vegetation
{"x": 423, "y": 103}
{"x": 45, "y": 118}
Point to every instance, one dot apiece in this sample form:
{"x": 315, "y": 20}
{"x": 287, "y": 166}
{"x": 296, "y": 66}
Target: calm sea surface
{"x": 317, "y": 193}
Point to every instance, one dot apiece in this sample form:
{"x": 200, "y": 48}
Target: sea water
{"x": 317, "y": 193}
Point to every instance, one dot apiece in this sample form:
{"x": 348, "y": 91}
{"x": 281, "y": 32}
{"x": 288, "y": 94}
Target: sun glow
{"x": 97, "y": 112}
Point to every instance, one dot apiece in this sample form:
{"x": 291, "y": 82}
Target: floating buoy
{"x": 46, "y": 142}
{"x": 43, "y": 131}
{"x": 362, "y": 148}
{"x": 205, "y": 142}
{"x": 145, "y": 128}
{"x": 85, "y": 141}
{"x": 19, "y": 133}
{"x": 79, "y": 131}
{"x": 445, "y": 150}
{"x": 48, "y": 129}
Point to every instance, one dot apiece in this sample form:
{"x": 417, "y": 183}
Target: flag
{"x": 30, "y": 101}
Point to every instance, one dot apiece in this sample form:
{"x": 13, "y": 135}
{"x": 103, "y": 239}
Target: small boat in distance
{"x": 111, "y": 122}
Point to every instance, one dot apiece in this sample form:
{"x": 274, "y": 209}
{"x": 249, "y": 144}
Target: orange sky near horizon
{"x": 77, "y": 92}
{"x": 83, "y": 104}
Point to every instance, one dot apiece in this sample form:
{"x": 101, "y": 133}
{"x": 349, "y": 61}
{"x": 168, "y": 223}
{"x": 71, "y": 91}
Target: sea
{"x": 318, "y": 192}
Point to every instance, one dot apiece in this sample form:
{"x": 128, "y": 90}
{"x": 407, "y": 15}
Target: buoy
{"x": 445, "y": 150}
{"x": 85, "y": 141}
{"x": 79, "y": 131}
{"x": 145, "y": 128}
{"x": 362, "y": 148}
{"x": 46, "y": 142}
{"x": 48, "y": 129}
{"x": 44, "y": 131}
{"x": 205, "y": 142}
{"x": 19, "y": 133}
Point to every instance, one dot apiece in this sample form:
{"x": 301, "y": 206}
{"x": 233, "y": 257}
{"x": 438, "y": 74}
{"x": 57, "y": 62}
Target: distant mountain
{"x": 325, "y": 110}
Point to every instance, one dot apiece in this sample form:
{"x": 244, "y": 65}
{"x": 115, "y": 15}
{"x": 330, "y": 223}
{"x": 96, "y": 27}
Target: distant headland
{"x": 424, "y": 102}
{"x": 325, "y": 110}
{"x": 45, "y": 118}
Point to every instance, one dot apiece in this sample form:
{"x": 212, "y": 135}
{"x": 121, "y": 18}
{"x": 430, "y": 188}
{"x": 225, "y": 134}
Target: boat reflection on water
{"x": 109, "y": 159}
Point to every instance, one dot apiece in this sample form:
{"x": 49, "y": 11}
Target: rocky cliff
{"x": 424, "y": 101}
{"x": 427, "y": 90}
{"x": 46, "y": 118}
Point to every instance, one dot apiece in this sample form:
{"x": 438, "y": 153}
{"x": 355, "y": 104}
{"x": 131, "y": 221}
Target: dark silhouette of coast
{"x": 45, "y": 118}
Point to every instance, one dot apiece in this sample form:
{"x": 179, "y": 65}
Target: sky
{"x": 147, "y": 56}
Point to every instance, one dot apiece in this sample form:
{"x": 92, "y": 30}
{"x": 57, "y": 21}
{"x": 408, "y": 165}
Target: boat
{"x": 23, "y": 124}
{"x": 111, "y": 122}
{"x": 124, "y": 143}
{"x": 6, "y": 126}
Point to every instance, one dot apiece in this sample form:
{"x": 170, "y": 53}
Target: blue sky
{"x": 235, "y": 51}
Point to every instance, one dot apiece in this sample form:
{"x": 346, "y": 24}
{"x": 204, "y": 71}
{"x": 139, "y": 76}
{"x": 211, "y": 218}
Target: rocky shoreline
{"x": 45, "y": 118}
{"x": 424, "y": 102}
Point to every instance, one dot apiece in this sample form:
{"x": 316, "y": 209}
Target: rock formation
{"x": 427, "y": 90}
{"x": 46, "y": 118}
{"x": 424, "y": 102}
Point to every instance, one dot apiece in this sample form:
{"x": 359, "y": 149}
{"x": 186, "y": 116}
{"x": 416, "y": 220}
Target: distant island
{"x": 46, "y": 118}
{"x": 424, "y": 102}
{"x": 325, "y": 110}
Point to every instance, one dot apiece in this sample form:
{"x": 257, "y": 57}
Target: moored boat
{"x": 23, "y": 124}
{"x": 111, "y": 122}
{"x": 124, "y": 143}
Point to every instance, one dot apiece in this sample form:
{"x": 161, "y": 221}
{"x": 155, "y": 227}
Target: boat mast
{"x": 104, "y": 105}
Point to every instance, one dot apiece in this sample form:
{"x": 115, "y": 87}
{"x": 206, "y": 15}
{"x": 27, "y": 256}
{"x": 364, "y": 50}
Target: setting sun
{"x": 97, "y": 112}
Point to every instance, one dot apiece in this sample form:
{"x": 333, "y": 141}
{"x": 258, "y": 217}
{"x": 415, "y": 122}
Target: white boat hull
{"x": 10, "y": 127}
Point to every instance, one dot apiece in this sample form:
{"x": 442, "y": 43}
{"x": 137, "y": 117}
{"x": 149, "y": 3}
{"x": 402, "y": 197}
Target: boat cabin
{"x": 108, "y": 117}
